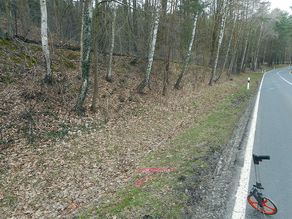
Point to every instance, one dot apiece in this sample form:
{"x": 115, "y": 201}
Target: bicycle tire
{"x": 269, "y": 208}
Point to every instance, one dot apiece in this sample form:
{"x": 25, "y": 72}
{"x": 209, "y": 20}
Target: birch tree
{"x": 187, "y": 60}
{"x": 245, "y": 43}
{"x": 255, "y": 65}
{"x": 95, "y": 57}
{"x": 234, "y": 54}
{"x": 228, "y": 48}
{"x": 244, "y": 50}
{"x": 109, "y": 72}
{"x": 85, "y": 53}
{"x": 221, "y": 34}
{"x": 9, "y": 18}
{"x": 145, "y": 82}
{"x": 45, "y": 43}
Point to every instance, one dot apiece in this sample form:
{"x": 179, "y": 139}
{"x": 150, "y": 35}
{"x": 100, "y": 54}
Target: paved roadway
{"x": 273, "y": 137}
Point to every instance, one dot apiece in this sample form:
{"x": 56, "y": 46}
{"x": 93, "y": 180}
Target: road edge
{"x": 241, "y": 193}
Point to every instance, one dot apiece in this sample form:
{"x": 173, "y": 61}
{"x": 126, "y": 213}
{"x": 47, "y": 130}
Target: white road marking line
{"x": 241, "y": 194}
{"x": 278, "y": 73}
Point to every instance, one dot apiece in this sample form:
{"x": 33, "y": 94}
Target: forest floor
{"x": 55, "y": 164}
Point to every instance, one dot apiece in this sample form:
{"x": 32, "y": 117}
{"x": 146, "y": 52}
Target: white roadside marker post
{"x": 248, "y": 81}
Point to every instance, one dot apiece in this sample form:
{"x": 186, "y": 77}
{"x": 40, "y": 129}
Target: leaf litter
{"x": 56, "y": 179}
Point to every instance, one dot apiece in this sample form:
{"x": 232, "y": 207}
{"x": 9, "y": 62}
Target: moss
{"x": 7, "y": 79}
{"x": 23, "y": 58}
{"x": 5, "y": 42}
{"x": 127, "y": 200}
{"x": 68, "y": 64}
{"x": 36, "y": 48}
{"x": 58, "y": 134}
{"x": 9, "y": 44}
{"x": 73, "y": 55}
{"x": 16, "y": 59}
{"x": 9, "y": 201}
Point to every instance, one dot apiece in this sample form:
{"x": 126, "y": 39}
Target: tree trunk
{"x": 221, "y": 34}
{"x": 45, "y": 43}
{"x": 234, "y": 54}
{"x": 85, "y": 53}
{"x": 109, "y": 72}
{"x": 184, "y": 69}
{"x": 145, "y": 81}
{"x": 228, "y": 48}
{"x": 244, "y": 51}
{"x": 258, "y": 47}
{"x": 135, "y": 26}
{"x": 24, "y": 17}
{"x": 14, "y": 11}
{"x": 95, "y": 59}
{"x": 10, "y": 31}
{"x": 166, "y": 73}
{"x": 216, "y": 10}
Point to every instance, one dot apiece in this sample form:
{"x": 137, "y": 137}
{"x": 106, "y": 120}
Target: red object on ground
{"x": 140, "y": 182}
{"x": 156, "y": 170}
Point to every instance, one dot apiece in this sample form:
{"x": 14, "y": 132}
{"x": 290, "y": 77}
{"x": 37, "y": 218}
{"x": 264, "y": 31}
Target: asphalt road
{"x": 273, "y": 137}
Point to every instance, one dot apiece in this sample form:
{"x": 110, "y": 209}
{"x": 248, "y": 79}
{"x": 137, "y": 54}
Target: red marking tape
{"x": 156, "y": 170}
{"x": 140, "y": 182}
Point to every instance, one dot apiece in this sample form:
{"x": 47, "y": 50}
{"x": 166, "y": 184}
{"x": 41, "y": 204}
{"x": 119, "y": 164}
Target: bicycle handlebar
{"x": 257, "y": 159}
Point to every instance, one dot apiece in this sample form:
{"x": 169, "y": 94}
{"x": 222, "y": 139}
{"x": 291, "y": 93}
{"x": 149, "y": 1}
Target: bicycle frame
{"x": 256, "y": 198}
{"x": 258, "y": 195}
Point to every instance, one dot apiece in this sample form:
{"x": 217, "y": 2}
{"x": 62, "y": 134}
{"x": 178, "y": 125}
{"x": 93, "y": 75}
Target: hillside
{"x": 57, "y": 164}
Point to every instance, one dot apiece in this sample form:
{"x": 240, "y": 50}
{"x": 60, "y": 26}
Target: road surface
{"x": 273, "y": 137}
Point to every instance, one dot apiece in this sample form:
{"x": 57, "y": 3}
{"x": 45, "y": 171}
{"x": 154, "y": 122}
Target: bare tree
{"x": 109, "y": 75}
{"x": 45, "y": 43}
{"x": 255, "y": 66}
{"x": 146, "y": 80}
{"x": 9, "y": 16}
{"x": 85, "y": 53}
{"x": 228, "y": 48}
{"x": 187, "y": 60}
{"x": 95, "y": 58}
{"x": 221, "y": 34}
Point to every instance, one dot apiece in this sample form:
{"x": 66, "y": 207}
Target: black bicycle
{"x": 256, "y": 198}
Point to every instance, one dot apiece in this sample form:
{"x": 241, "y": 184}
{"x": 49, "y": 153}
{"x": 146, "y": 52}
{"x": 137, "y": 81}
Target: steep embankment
{"x": 90, "y": 165}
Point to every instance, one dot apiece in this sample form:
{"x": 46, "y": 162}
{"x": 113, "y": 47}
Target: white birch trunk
{"x": 177, "y": 84}
{"x": 95, "y": 57}
{"x": 247, "y": 37}
{"x": 244, "y": 51}
{"x": 229, "y": 46}
{"x": 258, "y": 47}
{"x": 146, "y": 80}
{"x": 109, "y": 72}
{"x": 45, "y": 44}
{"x": 221, "y": 34}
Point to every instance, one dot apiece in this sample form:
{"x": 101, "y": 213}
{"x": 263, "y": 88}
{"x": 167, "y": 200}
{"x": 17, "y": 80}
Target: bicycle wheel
{"x": 268, "y": 207}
